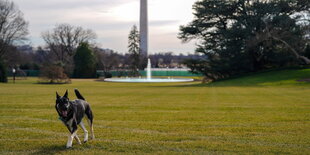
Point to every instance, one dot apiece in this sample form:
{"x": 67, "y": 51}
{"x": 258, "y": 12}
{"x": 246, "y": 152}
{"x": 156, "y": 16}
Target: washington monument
{"x": 143, "y": 28}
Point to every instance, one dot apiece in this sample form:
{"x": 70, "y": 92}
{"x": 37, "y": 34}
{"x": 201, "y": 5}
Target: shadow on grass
{"x": 52, "y": 149}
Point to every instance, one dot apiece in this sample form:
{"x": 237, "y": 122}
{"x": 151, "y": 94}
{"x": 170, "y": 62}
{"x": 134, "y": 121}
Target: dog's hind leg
{"x": 90, "y": 118}
{"x": 85, "y": 132}
{"x": 91, "y": 128}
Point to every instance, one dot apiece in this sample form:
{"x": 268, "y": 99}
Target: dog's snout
{"x": 64, "y": 113}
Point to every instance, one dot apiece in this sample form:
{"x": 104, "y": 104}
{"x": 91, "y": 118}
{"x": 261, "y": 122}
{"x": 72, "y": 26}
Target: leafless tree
{"x": 64, "y": 39}
{"x": 13, "y": 27}
{"x": 108, "y": 60}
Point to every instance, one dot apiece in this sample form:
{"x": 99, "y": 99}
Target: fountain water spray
{"x": 148, "y": 70}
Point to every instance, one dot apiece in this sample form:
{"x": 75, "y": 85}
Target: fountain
{"x": 148, "y": 70}
{"x": 148, "y": 78}
{"x": 144, "y": 52}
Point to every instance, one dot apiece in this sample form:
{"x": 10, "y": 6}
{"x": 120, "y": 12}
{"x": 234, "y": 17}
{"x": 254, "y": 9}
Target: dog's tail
{"x": 78, "y": 94}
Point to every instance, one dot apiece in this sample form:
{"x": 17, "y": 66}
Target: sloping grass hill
{"x": 271, "y": 78}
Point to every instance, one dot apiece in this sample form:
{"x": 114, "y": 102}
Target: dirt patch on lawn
{"x": 304, "y": 80}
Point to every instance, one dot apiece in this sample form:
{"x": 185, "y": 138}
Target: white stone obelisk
{"x": 143, "y": 28}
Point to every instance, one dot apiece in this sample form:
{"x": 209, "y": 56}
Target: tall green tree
{"x": 85, "y": 62}
{"x": 240, "y": 36}
{"x": 134, "y": 50}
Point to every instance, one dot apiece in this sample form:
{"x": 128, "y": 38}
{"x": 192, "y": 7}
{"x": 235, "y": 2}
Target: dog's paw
{"x": 92, "y": 137}
{"x": 85, "y": 141}
{"x": 69, "y": 147}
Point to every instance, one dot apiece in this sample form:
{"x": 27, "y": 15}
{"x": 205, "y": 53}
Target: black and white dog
{"x": 71, "y": 114}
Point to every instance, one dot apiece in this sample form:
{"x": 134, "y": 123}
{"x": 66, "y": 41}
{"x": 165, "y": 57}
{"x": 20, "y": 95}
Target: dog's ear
{"x": 66, "y": 94}
{"x": 57, "y": 95}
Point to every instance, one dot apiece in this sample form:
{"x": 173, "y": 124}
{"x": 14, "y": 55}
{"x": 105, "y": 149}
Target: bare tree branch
{"x": 291, "y": 48}
{"x": 13, "y": 27}
{"x": 64, "y": 39}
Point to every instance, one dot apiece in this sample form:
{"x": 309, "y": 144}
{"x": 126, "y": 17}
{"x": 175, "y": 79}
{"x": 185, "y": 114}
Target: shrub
{"x": 53, "y": 74}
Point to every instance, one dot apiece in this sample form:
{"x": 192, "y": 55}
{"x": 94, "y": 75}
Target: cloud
{"x": 111, "y": 20}
{"x": 163, "y": 22}
{"x": 69, "y": 4}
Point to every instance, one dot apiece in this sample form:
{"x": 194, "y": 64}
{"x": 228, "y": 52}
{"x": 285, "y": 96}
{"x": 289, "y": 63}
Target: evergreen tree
{"x": 241, "y": 36}
{"x": 85, "y": 62}
{"x": 134, "y": 50}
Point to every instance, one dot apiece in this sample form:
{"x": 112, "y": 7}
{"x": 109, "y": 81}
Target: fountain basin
{"x": 146, "y": 80}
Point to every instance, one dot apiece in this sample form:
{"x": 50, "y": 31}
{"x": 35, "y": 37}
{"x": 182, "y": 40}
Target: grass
{"x": 267, "y": 113}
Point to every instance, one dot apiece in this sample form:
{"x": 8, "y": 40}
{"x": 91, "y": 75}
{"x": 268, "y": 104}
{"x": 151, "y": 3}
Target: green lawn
{"x": 267, "y": 113}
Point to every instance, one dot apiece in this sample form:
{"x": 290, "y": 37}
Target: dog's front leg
{"x": 70, "y": 139}
{"x": 76, "y": 137}
{"x": 72, "y": 134}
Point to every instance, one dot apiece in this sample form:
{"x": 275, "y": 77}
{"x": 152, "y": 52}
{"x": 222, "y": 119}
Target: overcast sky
{"x": 112, "y": 21}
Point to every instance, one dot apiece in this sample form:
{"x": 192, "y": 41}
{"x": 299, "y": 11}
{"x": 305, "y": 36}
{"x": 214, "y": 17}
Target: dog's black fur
{"x": 71, "y": 114}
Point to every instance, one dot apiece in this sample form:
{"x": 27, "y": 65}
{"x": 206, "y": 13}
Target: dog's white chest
{"x": 69, "y": 123}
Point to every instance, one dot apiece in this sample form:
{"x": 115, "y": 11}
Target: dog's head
{"x": 63, "y": 104}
